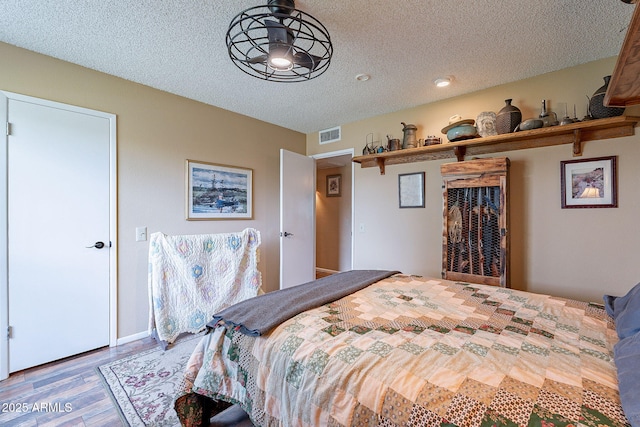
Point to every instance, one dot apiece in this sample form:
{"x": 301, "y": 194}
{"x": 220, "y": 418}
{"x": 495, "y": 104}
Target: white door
{"x": 58, "y": 208}
{"x": 297, "y": 219}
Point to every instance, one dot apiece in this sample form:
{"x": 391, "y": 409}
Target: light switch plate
{"x": 141, "y": 234}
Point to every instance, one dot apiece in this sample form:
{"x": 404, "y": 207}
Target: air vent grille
{"x": 330, "y": 135}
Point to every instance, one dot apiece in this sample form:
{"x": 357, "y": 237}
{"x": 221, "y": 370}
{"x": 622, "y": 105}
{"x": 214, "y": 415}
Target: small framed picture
{"x": 334, "y": 185}
{"x": 589, "y": 183}
{"x": 411, "y": 190}
{"x": 218, "y": 191}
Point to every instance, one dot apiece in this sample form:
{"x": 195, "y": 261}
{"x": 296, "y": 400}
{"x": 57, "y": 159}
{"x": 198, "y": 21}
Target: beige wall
{"x": 577, "y": 253}
{"x": 157, "y": 131}
{"x": 333, "y": 222}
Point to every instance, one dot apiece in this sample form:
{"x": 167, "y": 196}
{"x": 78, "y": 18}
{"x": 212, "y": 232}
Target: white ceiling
{"x": 179, "y": 46}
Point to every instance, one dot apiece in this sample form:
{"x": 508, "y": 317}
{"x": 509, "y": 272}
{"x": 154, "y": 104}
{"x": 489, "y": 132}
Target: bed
{"x": 414, "y": 351}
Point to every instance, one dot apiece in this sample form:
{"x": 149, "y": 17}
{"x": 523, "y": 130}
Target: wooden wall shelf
{"x": 575, "y": 134}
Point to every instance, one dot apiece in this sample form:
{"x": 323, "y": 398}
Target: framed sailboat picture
{"x": 218, "y": 191}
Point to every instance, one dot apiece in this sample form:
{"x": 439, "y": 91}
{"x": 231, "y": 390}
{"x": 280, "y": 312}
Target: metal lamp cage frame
{"x": 247, "y": 38}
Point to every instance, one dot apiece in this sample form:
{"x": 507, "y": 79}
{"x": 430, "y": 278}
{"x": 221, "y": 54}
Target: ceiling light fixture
{"x": 442, "y": 81}
{"x": 278, "y": 42}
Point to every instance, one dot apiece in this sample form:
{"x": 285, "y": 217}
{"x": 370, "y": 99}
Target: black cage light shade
{"x": 278, "y": 42}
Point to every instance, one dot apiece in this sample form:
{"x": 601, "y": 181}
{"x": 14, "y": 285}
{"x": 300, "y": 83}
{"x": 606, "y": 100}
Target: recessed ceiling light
{"x": 442, "y": 81}
{"x": 363, "y": 77}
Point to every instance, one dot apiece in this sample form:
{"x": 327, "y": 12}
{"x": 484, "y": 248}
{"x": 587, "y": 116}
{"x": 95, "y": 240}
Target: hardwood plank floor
{"x": 67, "y": 392}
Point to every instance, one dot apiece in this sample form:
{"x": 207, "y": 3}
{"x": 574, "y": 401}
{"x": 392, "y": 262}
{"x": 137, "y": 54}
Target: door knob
{"x": 97, "y": 245}
{"x": 287, "y": 234}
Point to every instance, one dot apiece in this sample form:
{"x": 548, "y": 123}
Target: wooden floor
{"x": 323, "y": 272}
{"x": 48, "y": 391}
{"x": 73, "y": 382}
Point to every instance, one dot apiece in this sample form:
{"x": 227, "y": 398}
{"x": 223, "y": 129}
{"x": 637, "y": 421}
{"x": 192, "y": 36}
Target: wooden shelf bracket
{"x": 460, "y": 151}
{"x": 577, "y": 143}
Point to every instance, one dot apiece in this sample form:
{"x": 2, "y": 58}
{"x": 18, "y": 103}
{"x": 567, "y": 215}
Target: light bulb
{"x": 279, "y": 63}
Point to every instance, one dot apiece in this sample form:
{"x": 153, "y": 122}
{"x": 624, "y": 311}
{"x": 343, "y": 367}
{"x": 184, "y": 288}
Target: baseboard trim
{"x": 130, "y": 338}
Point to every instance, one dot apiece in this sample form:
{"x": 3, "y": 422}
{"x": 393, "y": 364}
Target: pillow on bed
{"x": 625, "y": 311}
{"x": 627, "y": 357}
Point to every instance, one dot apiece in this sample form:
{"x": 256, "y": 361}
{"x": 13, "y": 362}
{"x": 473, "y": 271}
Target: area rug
{"x": 143, "y": 386}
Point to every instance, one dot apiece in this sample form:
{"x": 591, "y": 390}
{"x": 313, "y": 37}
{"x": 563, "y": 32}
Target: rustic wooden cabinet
{"x": 475, "y": 236}
{"x": 624, "y": 88}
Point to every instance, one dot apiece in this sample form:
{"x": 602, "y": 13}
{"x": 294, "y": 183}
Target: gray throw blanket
{"x": 257, "y": 316}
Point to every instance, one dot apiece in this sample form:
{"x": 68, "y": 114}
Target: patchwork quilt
{"x": 191, "y": 277}
{"x": 411, "y": 351}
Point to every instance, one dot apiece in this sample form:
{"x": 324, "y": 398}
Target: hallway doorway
{"x": 334, "y": 212}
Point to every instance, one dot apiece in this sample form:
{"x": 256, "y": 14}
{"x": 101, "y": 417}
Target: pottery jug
{"x": 508, "y": 118}
{"x": 410, "y": 140}
{"x": 596, "y": 106}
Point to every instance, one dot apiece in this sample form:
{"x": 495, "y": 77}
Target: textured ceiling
{"x": 179, "y": 46}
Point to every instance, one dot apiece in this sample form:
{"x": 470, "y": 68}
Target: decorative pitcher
{"x": 410, "y": 140}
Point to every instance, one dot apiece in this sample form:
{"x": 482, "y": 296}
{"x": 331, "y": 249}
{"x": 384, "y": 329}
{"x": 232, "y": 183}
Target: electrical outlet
{"x": 141, "y": 234}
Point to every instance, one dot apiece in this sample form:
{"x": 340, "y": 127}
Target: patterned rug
{"x": 143, "y": 386}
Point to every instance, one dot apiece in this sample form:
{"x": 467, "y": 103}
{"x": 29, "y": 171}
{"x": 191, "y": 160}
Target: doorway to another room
{"x": 334, "y": 212}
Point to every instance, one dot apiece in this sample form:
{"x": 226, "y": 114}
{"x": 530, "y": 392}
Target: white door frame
{"x": 4, "y": 278}
{"x": 350, "y": 152}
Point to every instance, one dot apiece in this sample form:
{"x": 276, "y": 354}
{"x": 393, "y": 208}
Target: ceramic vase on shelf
{"x": 508, "y": 118}
{"x": 596, "y": 106}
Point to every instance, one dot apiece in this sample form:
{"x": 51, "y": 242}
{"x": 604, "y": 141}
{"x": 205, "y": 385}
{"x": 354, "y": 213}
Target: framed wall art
{"x": 411, "y": 190}
{"x": 589, "y": 183}
{"x": 334, "y": 185}
{"x": 218, "y": 191}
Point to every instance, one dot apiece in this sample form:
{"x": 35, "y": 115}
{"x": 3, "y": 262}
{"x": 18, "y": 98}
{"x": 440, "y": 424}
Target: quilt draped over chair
{"x": 191, "y": 277}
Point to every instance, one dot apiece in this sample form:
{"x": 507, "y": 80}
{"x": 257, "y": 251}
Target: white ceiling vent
{"x": 329, "y": 135}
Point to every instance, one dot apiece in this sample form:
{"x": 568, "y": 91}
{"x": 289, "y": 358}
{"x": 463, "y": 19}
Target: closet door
{"x": 475, "y": 238}
{"x": 59, "y": 248}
